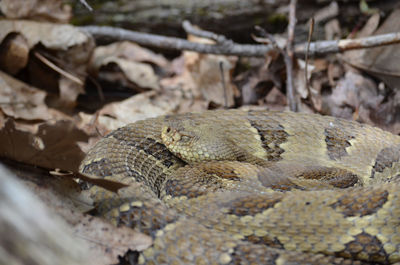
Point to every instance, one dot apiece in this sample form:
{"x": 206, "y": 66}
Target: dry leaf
{"x": 44, "y": 10}
{"x": 327, "y": 12}
{"x": 276, "y": 100}
{"x": 263, "y": 75}
{"x": 140, "y": 74}
{"x": 182, "y": 80}
{"x": 132, "y": 60}
{"x": 300, "y": 78}
{"x": 52, "y": 36}
{"x": 52, "y": 144}
{"x": 381, "y": 62}
{"x": 352, "y": 92}
{"x": 108, "y": 242}
{"x": 21, "y": 101}
{"x": 205, "y": 70}
{"x": 142, "y": 106}
{"x": 14, "y": 53}
{"x": 128, "y": 51}
{"x": 333, "y": 30}
{"x": 199, "y": 76}
{"x": 63, "y": 54}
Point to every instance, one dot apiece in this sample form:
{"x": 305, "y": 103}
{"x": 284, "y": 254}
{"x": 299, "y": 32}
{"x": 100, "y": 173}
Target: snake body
{"x": 253, "y": 187}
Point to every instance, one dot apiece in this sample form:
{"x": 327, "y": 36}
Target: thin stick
{"x": 316, "y": 48}
{"x": 310, "y": 32}
{"x": 221, "y": 68}
{"x": 290, "y": 91}
{"x": 177, "y": 43}
{"x": 58, "y": 69}
{"x": 335, "y": 46}
{"x": 83, "y": 2}
{"x": 98, "y": 88}
{"x": 190, "y": 29}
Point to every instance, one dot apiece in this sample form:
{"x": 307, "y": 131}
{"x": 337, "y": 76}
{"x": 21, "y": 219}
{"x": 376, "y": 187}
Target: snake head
{"x": 198, "y": 142}
{"x": 179, "y": 142}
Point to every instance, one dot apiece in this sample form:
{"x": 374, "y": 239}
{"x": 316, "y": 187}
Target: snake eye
{"x": 168, "y": 129}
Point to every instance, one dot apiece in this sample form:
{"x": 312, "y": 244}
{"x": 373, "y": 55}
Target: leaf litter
{"x": 60, "y": 93}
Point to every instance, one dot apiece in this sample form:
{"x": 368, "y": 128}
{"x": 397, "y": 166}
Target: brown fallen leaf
{"x": 132, "y": 60}
{"x": 200, "y": 77}
{"x": 381, "y": 62}
{"x": 21, "y": 101}
{"x": 212, "y": 74}
{"x": 387, "y": 114}
{"x": 52, "y": 36}
{"x": 25, "y": 137}
{"x": 141, "y": 106}
{"x": 108, "y": 242}
{"x": 63, "y": 53}
{"x": 333, "y": 30}
{"x": 43, "y": 10}
{"x": 129, "y": 51}
{"x": 352, "y": 93}
{"x": 14, "y": 53}
{"x": 51, "y": 144}
{"x": 261, "y": 77}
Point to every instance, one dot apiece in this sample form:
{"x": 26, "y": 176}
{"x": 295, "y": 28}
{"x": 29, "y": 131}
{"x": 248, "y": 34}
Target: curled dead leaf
{"x": 44, "y": 10}
{"x": 134, "y": 62}
{"x": 50, "y": 144}
{"x": 61, "y": 52}
{"x": 21, "y": 101}
{"x": 14, "y": 53}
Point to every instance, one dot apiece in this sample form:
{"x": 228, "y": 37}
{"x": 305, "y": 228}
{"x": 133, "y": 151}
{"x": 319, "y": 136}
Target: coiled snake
{"x": 253, "y": 187}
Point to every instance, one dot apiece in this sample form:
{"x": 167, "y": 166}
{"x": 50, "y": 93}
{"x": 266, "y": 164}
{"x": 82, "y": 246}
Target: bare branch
{"x": 310, "y": 32}
{"x": 267, "y": 38}
{"x": 335, "y": 46}
{"x": 316, "y": 48}
{"x": 289, "y": 57}
{"x": 83, "y": 2}
{"x": 309, "y": 97}
{"x": 177, "y": 43}
{"x": 58, "y": 69}
{"x": 221, "y": 68}
{"x": 220, "y": 39}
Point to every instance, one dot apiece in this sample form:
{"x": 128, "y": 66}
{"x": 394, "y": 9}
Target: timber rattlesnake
{"x": 253, "y": 187}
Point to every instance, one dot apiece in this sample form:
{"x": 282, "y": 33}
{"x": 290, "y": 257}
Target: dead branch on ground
{"x": 250, "y": 50}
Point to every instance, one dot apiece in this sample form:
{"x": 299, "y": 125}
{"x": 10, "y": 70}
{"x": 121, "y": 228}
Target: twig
{"x": 290, "y": 90}
{"x": 270, "y": 39}
{"x": 83, "y": 2}
{"x": 288, "y": 64}
{"x": 221, "y": 68}
{"x": 316, "y": 48}
{"x": 98, "y": 88}
{"x": 220, "y": 39}
{"x": 309, "y": 97}
{"x": 177, "y": 43}
{"x": 58, "y": 69}
{"x": 310, "y": 32}
{"x": 335, "y": 46}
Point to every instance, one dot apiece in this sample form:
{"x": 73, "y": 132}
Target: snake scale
{"x": 253, "y": 187}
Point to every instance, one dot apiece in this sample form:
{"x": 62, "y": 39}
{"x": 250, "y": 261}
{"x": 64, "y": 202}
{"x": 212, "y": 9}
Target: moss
{"x": 277, "y": 19}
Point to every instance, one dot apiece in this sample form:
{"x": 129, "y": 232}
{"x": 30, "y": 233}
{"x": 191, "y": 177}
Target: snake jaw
{"x": 178, "y": 142}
